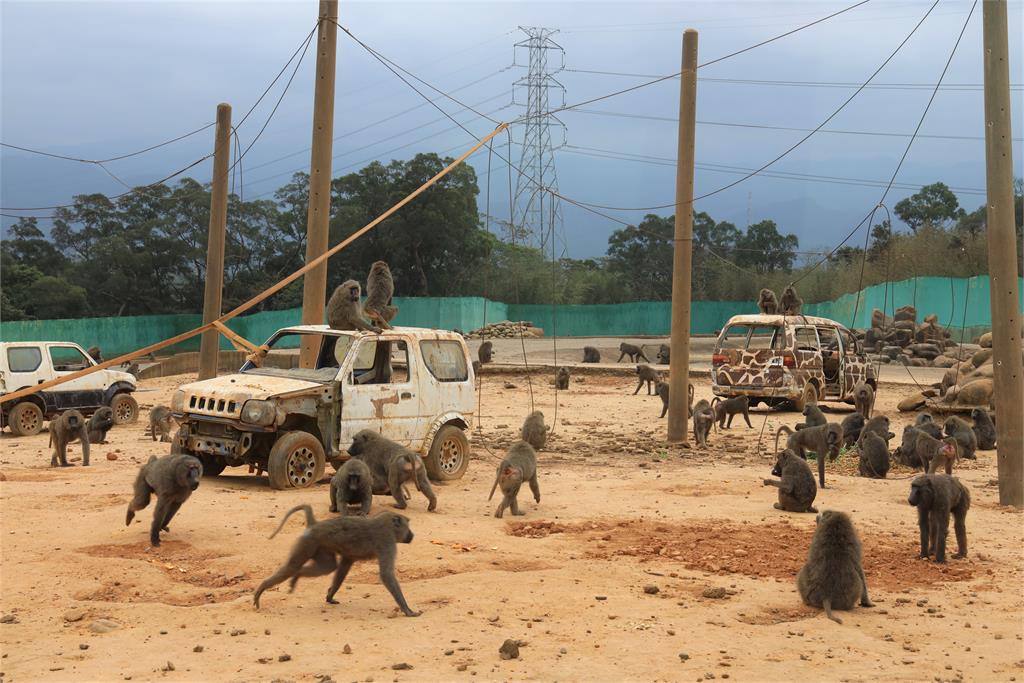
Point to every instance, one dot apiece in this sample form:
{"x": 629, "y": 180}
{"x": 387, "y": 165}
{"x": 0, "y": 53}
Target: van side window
{"x": 445, "y": 360}
{"x": 829, "y": 339}
{"x": 850, "y": 343}
{"x": 24, "y": 358}
{"x": 805, "y": 339}
{"x": 764, "y": 337}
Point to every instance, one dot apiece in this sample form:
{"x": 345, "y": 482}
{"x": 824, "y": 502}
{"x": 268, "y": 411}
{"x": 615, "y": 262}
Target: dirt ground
{"x": 641, "y": 562}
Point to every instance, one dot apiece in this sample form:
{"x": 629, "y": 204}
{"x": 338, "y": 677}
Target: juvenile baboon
{"x": 878, "y": 425}
{"x": 790, "y": 304}
{"x": 647, "y": 374}
{"x": 101, "y": 422}
{"x": 833, "y": 577}
{"x": 486, "y": 352}
{"x": 814, "y": 417}
{"x": 864, "y": 399}
{"x": 562, "y": 379}
{"x": 380, "y": 290}
{"x": 767, "y": 302}
{"x": 664, "y": 354}
{"x": 797, "y": 489}
{"x": 633, "y": 351}
{"x": 702, "y": 405}
{"x": 729, "y": 408}
{"x": 689, "y": 400}
{"x": 945, "y": 454}
{"x": 926, "y": 424}
{"x": 960, "y": 430}
{"x": 534, "y": 431}
{"x": 345, "y": 310}
{"x": 95, "y": 353}
{"x": 334, "y": 545}
{"x": 852, "y": 426}
{"x": 822, "y": 440}
{"x": 703, "y": 419}
{"x": 874, "y": 456}
{"x": 67, "y": 427}
{"x": 519, "y": 465}
{"x": 936, "y": 496}
{"x": 477, "y": 366}
{"x": 132, "y": 368}
{"x": 161, "y": 422}
{"x": 172, "y": 478}
{"x": 391, "y": 465}
{"x": 661, "y": 389}
{"x": 352, "y": 484}
{"x": 984, "y": 429}
{"x": 906, "y": 453}
{"x": 591, "y": 355}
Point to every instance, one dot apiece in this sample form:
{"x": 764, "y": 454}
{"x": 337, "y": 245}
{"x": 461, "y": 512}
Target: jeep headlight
{"x": 258, "y": 413}
{"x": 178, "y": 401}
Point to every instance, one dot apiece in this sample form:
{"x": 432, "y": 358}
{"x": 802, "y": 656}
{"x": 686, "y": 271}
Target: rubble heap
{"x": 506, "y": 329}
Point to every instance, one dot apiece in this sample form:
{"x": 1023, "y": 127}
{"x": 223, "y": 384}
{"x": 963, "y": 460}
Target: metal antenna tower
{"x": 537, "y": 215}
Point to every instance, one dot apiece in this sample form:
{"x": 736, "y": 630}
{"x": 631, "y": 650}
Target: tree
{"x": 881, "y": 240}
{"x": 642, "y": 258}
{"x": 934, "y": 204}
{"x": 765, "y": 250}
{"x": 30, "y": 247}
{"x": 52, "y": 298}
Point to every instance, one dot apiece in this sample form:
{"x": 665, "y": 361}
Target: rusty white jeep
{"x": 413, "y": 385}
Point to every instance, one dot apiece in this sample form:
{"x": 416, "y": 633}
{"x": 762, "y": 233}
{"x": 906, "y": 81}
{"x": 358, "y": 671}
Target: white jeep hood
{"x": 224, "y": 396}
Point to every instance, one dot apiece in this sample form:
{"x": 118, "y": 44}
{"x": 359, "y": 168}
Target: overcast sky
{"x": 97, "y": 79}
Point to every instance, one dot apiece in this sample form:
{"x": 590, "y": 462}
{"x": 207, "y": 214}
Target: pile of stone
{"x": 506, "y": 329}
{"x": 967, "y": 385}
{"x": 900, "y": 339}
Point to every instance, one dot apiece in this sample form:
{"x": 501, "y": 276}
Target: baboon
{"x": 960, "y": 430}
{"x": 936, "y": 496}
{"x": 703, "y": 419}
{"x": 172, "y": 478}
{"x": 334, "y": 545}
{"x": 161, "y": 422}
{"x": 814, "y": 417}
{"x": 946, "y": 452}
{"x": 67, "y": 427}
{"x": 767, "y": 302}
{"x": 519, "y": 465}
{"x": 380, "y": 290}
{"x": 689, "y": 400}
{"x": 352, "y": 484}
{"x": 878, "y": 425}
{"x": 345, "y": 310}
{"x": 906, "y": 453}
{"x": 132, "y": 368}
{"x": 101, "y": 422}
{"x": 852, "y": 426}
{"x": 95, "y": 353}
{"x": 874, "y": 456}
{"x": 864, "y": 399}
{"x": 984, "y": 429}
{"x": 486, "y": 352}
{"x": 391, "y": 465}
{"x": 661, "y": 389}
{"x": 591, "y": 355}
{"x": 702, "y": 405}
{"x": 477, "y": 366}
{"x": 633, "y": 351}
{"x": 833, "y": 577}
{"x": 534, "y": 431}
{"x": 822, "y": 440}
{"x": 797, "y": 489}
{"x": 562, "y": 379}
{"x": 664, "y": 354}
{"x": 729, "y": 408}
{"x": 926, "y": 424}
{"x": 646, "y": 373}
{"x": 791, "y": 303}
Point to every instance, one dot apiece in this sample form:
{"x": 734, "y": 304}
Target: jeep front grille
{"x": 209, "y": 404}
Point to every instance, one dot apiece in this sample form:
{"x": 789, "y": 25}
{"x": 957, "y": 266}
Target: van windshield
{"x": 751, "y": 337}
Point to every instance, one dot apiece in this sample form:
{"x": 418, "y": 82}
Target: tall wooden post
{"x": 1002, "y": 258}
{"x": 682, "y": 255}
{"x": 209, "y": 347}
{"x": 314, "y": 284}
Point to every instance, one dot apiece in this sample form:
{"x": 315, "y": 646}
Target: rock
{"x": 509, "y": 649}
{"x": 169, "y": 666}
{"x": 981, "y": 357}
{"x": 908, "y": 325}
{"x": 986, "y": 370}
{"x": 74, "y": 615}
{"x": 985, "y": 340}
{"x": 905, "y": 313}
{"x": 237, "y": 632}
{"x": 977, "y": 392}
{"x": 715, "y": 593}
{"x": 879, "y": 320}
{"x": 944, "y": 362}
{"x": 104, "y": 626}
{"x": 600, "y": 597}
{"x": 683, "y": 656}
{"x": 401, "y": 666}
{"x": 347, "y": 650}
{"x": 891, "y": 351}
{"x": 8, "y": 619}
{"x": 198, "y": 648}
{"x": 651, "y": 589}
{"x": 918, "y": 362}
{"x": 924, "y": 350}
{"x": 284, "y": 658}
{"x": 111, "y": 456}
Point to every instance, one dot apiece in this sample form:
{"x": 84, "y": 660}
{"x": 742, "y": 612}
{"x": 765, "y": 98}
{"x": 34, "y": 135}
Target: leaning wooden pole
{"x": 318, "y": 213}
{"x": 682, "y": 253}
{"x": 209, "y": 346}
{"x": 1002, "y": 258}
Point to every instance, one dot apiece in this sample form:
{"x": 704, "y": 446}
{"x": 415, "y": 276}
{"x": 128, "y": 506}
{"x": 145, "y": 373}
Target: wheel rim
{"x": 123, "y": 411}
{"x": 450, "y": 456}
{"x": 301, "y": 467}
{"x": 28, "y": 420}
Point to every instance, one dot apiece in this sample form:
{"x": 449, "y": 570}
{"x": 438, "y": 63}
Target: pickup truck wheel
{"x": 212, "y": 464}
{"x": 296, "y": 461}
{"x": 809, "y": 395}
{"x": 125, "y": 408}
{"x": 449, "y": 454}
{"x": 25, "y": 419}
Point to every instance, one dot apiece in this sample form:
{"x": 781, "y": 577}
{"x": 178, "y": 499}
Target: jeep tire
{"x": 212, "y": 464}
{"x": 25, "y": 419}
{"x": 296, "y": 461}
{"x": 125, "y": 409}
{"x": 449, "y": 454}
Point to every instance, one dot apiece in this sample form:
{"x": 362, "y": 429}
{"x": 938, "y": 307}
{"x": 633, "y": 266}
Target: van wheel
{"x": 26, "y": 419}
{"x": 296, "y": 461}
{"x": 125, "y": 408}
{"x": 449, "y": 454}
{"x": 809, "y": 395}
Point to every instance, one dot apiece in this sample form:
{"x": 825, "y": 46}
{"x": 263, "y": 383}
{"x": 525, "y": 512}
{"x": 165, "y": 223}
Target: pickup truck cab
{"x": 413, "y": 385}
{"x": 25, "y": 364}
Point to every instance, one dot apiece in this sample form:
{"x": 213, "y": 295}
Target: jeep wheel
{"x": 212, "y": 464}
{"x": 125, "y": 408}
{"x": 449, "y": 454}
{"x": 809, "y": 395}
{"x": 25, "y": 419}
{"x": 296, "y": 461}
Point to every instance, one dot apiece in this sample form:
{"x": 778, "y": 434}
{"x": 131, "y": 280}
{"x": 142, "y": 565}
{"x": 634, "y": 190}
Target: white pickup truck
{"x": 25, "y": 364}
{"x": 413, "y": 385}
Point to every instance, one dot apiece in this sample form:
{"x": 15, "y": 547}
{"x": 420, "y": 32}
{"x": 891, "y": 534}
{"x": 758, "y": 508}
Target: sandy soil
{"x": 642, "y": 562}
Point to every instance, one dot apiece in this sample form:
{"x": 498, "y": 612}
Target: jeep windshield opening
{"x": 752, "y": 337}
{"x": 284, "y": 352}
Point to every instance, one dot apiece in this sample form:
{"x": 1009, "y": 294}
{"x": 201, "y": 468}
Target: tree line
{"x": 144, "y": 253}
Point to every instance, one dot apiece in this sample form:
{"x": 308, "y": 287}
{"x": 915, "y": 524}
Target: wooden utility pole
{"x": 209, "y": 347}
{"x": 1002, "y": 258}
{"x": 682, "y": 254}
{"x": 314, "y": 284}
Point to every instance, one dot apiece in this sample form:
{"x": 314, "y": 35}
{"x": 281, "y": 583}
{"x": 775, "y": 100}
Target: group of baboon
{"x": 790, "y": 304}
{"x": 347, "y": 311}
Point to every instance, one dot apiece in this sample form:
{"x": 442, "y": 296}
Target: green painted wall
{"x": 964, "y": 302}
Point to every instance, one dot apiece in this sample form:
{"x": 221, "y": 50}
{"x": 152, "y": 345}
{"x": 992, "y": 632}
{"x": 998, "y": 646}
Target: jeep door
{"x": 855, "y": 365}
{"x": 82, "y": 393}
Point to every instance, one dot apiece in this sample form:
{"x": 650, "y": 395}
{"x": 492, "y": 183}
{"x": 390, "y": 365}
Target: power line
{"x": 114, "y": 158}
